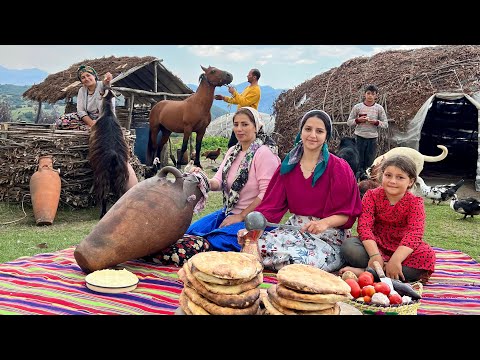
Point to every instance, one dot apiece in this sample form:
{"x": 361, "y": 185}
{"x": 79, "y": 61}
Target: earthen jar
{"x": 45, "y": 186}
{"x": 150, "y": 216}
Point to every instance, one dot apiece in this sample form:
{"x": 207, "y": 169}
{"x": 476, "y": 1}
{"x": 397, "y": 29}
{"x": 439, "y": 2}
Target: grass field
{"x": 20, "y": 237}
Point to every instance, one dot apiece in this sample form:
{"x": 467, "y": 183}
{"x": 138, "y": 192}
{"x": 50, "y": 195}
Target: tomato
{"x": 368, "y": 290}
{"x": 364, "y": 280}
{"x": 355, "y": 290}
{"x": 368, "y": 274}
{"x": 395, "y": 299}
{"x": 382, "y": 287}
{"x": 367, "y": 299}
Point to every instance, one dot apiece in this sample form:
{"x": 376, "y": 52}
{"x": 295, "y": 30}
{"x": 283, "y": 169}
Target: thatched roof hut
{"x": 406, "y": 80}
{"x": 141, "y": 80}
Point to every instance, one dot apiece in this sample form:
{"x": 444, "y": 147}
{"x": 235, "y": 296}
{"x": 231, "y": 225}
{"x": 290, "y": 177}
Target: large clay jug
{"x": 45, "y": 188}
{"x": 150, "y": 216}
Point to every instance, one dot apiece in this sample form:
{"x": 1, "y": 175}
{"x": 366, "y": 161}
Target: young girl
{"x": 391, "y": 227}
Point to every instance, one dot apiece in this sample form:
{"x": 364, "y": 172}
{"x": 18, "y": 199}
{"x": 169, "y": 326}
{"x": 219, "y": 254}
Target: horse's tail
{"x": 108, "y": 154}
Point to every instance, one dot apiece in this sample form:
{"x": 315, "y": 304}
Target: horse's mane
{"x": 108, "y": 153}
{"x": 201, "y": 77}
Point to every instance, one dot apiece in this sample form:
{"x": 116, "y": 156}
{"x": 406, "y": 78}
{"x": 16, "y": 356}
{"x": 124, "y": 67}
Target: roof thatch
{"x": 128, "y": 72}
{"x": 406, "y": 79}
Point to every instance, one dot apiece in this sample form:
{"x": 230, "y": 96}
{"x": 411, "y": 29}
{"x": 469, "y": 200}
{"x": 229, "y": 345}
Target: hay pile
{"x": 22, "y": 144}
{"x": 406, "y": 79}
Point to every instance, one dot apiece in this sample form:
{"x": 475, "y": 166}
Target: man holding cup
{"x": 367, "y": 116}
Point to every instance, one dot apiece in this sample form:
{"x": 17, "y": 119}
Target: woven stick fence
{"x": 22, "y": 144}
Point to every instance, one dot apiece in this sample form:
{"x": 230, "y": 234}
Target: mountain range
{"x": 21, "y": 77}
{"x": 267, "y": 99}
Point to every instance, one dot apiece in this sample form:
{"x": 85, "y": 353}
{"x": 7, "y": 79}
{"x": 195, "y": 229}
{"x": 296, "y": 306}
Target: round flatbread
{"x": 314, "y": 298}
{"x": 269, "y": 308}
{"x": 309, "y": 279}
{"x": 233, "y": 289}
{"x": 215, "y": 309}
{"x": 227, "y": 265}
{"x": 293, "y": 304}
{"x": 241, "y": 301}
{"x": 183, "y": 301}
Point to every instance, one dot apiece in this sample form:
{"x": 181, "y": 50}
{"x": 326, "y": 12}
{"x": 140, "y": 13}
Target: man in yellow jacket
{"x": 249, "y": 97}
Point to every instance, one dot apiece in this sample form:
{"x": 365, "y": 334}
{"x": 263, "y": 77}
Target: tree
{"x": 5, "y": 112}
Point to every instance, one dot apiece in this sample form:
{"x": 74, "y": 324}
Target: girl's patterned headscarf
{"x": 88, "y": 69}
{"x": 294, "y": 156}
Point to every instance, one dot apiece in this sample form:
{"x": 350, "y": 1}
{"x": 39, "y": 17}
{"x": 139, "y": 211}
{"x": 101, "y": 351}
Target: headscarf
{"x": 241, "y": 178}
{"x": 88, "y": 69}
{"x": 295, "y": 155}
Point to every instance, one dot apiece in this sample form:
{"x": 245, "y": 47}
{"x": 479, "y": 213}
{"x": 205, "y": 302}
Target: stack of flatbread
{"x": 305, "y": 290}
{"x": 221, "y": 283}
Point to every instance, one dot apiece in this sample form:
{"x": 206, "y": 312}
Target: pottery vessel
{"x": 150, "y": 216}
{"x": 45, "y": 186}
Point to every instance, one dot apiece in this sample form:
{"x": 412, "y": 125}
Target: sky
{"x": 281, "y": 66}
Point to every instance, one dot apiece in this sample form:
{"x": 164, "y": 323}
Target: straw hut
{"x": 431, "y": 96}
{"x": 142, "y": 81}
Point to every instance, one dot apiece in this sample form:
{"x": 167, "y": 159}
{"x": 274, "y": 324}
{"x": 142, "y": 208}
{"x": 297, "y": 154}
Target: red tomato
{"x": 368, "y": 290}
{"x": 382, "y": 288}
{"x": 395, "y": 299}
{"x": 368, "y": 274}
{"x": 364, "y": 280}
{"x": 355, "y": 290}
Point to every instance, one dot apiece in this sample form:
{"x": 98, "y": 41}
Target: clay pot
{"x": 45, "y": 188}
{"x": 150, "y": 216}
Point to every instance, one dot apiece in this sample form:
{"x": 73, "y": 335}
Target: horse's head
{"x": 216, "y": 77}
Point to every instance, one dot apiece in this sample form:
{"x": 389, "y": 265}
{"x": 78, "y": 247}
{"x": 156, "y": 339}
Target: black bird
{"x": 439, "y": 192}
{"x": 468, "y": 206}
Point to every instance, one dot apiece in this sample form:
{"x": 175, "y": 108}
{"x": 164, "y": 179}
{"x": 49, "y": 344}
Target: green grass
{"x": 23, "y": 238}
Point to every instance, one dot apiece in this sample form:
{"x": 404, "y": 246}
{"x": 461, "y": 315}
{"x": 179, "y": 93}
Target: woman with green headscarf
{"x": 89, "y": 98}
{"x": 320, "y": 191}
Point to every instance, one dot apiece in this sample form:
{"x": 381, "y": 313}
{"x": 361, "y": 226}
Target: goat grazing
{"x": 108, "y": 154}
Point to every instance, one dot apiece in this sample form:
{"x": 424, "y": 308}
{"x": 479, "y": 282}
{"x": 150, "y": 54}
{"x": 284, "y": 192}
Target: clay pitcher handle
{"x": 173, "y": 170}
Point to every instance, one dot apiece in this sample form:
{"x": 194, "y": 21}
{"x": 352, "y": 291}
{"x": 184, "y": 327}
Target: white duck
{"x": 439, "y": 192}
{"x": 468, "y": 206}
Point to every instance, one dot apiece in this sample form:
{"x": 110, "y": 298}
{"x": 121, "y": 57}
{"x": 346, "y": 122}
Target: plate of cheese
{"x": 111, "y": 281}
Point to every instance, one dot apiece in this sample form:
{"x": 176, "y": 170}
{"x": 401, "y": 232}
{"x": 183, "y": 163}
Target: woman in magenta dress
{"x": 391, "y": 227}
{"x": 320, "y": 191}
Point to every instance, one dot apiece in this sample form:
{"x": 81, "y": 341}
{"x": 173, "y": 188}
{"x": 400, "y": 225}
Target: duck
{"x": 468, "y": 206}
{"x": 439, "y": 193}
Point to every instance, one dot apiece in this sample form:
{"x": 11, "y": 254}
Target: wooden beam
{"x": 39, "y": 111}
{"x": 130, "y": 111}
{"x": 149, "y": 93}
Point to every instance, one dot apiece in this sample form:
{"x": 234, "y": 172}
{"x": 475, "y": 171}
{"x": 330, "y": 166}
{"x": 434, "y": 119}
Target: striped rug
{"x": 52, "y": 283}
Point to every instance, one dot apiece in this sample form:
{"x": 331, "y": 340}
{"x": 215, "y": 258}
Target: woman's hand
{"x": 393, "y": 270}
{"x": 231, "y": 219}
{"x": 315, "y": 227}
{"x": 107, "y": 78}
{"x": 377, "y": 258}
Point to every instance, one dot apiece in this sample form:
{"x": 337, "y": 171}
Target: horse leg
{"x": 165, "y": 136}
{"x": 198, "y": 147}
{"x": 104, "y": 208}
{"x": 152, "y": 144}
{"x": 186, "y": 135}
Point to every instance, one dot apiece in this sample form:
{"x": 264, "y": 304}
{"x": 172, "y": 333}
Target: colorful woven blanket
{"x": 52, "y": 283}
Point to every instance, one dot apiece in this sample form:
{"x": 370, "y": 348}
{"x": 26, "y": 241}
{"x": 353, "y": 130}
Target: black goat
{"x": 347, "y": 150}
{"x": 108, "y": 154}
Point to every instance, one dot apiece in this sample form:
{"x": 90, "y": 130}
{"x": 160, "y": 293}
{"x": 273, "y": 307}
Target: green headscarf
{"x": 88, "y": 69}
{"x": 294, "y": 156}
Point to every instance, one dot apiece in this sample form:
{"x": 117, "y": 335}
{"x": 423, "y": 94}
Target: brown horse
{"x": 185, "y": 116}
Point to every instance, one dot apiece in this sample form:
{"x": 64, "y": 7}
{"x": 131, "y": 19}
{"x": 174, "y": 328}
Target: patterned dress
{"x": 335, "y": 193}
{"x": 393, "y": 226}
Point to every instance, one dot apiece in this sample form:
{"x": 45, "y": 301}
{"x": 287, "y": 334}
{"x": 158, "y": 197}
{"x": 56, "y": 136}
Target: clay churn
{"x": 45, "y": 188}
{"x": 150, "y": 216}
